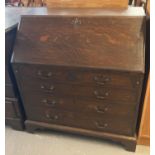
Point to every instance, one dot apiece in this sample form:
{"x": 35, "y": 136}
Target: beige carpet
{"x": 55, "y": 143}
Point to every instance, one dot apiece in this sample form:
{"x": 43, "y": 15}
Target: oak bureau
{"x": 81, "y": 71}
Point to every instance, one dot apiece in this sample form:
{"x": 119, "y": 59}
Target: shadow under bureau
{"x": 81, "y": 71}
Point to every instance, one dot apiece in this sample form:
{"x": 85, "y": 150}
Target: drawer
{"x": 11, "y": 108}
{"x": 119, "y": 125}
{"x": 9, "y": 91}
{"x": 91, "y": 107}
{"x": 99, "y": 93}
{"x": 79, "y": 76}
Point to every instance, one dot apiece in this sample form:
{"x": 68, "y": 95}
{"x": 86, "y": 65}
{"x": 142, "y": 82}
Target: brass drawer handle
{"x": 51, "y": 103}
{"x": 101, "y": 126}
{"x": 101, "y": 80}
{"x": 101, "y": 110}
{"x": 48, "y": 75}
{"x": 54, "y": 117}
{"x": 96, "y": 93}
{"x": 51, "y": 88}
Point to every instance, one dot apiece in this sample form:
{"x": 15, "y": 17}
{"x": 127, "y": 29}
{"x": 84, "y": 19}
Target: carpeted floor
{"x": 56, "y": 143}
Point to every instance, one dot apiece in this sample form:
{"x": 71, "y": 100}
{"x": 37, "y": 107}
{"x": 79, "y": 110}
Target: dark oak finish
{"x": 89, "y": 106}
{"x": 102, "y": 93}
{"x": 80, "y": 76}
{"x": 76, "y": 40}
{"x": 113, "y": 124}
{"x": 82, "y": 72}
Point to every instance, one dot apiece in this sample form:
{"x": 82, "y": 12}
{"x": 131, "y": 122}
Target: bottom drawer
{"x": 11, "y": 108}
{"x": 119, "y": 125}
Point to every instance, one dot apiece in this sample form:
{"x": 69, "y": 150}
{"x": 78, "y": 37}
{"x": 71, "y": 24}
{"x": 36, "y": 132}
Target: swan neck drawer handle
{"x": 54, "y": 117}
{"x": 51, "y": 103}
{"x": 101, "y": 80}
{"x": 51, "y": 88}
{"x": 101, "y": 126}
{"x": 96, "y": 93}
{"x": 101, "y": 110}
{"x": 46, "y": 76}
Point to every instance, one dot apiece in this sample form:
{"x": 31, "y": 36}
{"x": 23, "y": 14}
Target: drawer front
{"x": 91, "y": 107}
{"x": 79, "y": 76}
{"x": 103, "y": 124}
{"x": 94, "y": 92}
{"x": 12, "y": 108}
{"x": 9, "y": 91}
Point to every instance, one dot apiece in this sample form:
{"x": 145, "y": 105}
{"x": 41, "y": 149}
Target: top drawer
{"x": 79, "y": 76}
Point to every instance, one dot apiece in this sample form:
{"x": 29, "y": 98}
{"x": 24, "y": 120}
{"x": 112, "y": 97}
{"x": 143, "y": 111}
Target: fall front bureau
{"x": 81, "y": 71}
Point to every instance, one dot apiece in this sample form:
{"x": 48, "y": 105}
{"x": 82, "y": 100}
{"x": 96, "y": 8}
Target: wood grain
{"x": 73, "y": 40}
{"x": 83, "y": 77}
{"x": 117, "y": 4}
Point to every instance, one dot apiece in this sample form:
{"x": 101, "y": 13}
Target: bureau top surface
{"x": 83, "y": 38}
